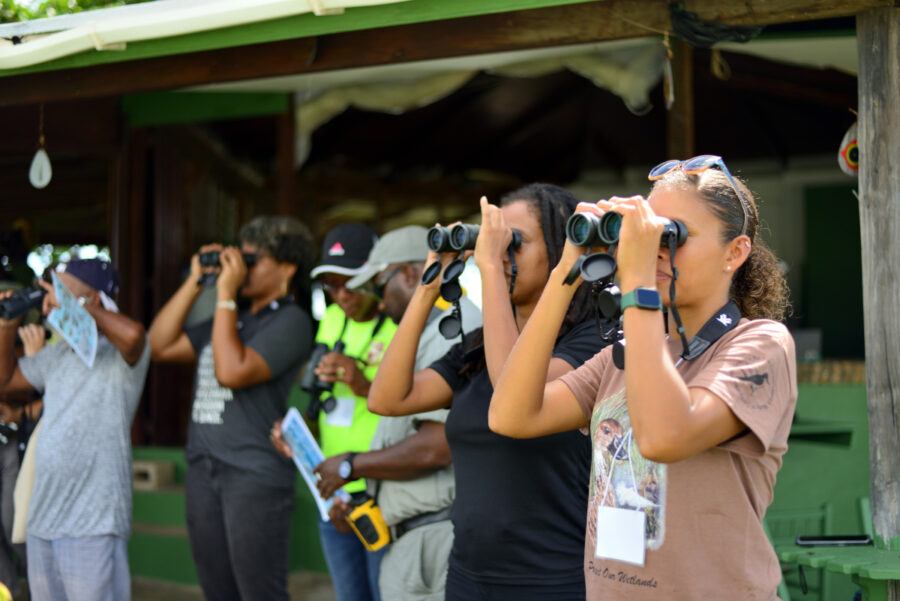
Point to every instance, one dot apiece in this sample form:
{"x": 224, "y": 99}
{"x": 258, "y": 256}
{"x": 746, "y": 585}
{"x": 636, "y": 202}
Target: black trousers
{"x": 239, "y": 533}
{"x": 461, "y": 588}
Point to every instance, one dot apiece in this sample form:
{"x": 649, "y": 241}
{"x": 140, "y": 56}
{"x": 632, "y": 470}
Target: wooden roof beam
{"x": 556, "y": 26}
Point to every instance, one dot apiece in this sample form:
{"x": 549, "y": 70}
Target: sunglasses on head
{"x": 698, "y": 165}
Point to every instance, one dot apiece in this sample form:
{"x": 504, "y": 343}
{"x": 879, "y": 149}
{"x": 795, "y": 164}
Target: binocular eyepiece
{"x": 211, "y": 258}
{"x": 21, "y": 302}
{"x": 460, "y": 237}
{"x": 587, "y": 230}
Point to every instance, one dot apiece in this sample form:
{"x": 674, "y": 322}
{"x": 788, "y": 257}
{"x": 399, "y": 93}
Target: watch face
{"x": 344, "y": 469}
{"x": 647, "y": 298}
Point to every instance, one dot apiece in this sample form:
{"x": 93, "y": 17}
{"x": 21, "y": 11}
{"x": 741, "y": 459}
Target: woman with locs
{"x": 518, "y": 515}
{"x": 685, "y": 451}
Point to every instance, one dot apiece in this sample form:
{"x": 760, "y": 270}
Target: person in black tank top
{"x": 532, "y": 548}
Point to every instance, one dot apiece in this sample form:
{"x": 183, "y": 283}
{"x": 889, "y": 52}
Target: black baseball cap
{"x": 345, "y": 249}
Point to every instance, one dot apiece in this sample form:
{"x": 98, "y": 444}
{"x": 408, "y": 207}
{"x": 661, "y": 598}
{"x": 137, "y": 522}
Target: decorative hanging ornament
{"x": 848, "y": 154}
{"x": 668, "y": 80}
{"x": 41, "y": 171}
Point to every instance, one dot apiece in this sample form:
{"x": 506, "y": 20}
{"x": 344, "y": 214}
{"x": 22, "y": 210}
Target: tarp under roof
{"x": 627, "y": 68}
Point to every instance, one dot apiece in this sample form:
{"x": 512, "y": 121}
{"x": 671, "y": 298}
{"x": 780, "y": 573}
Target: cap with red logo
{"x": 345, "y": 249}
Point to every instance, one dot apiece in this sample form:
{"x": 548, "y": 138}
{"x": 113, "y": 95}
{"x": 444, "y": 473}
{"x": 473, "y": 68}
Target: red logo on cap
{"x": 336, "y": 249}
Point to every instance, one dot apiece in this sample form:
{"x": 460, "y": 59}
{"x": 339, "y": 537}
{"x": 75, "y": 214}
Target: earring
{"x": 728, "y": 268}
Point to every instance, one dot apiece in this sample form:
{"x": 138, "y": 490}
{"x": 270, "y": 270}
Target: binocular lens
{"x": 438, "y": 239}
{"x": 211, "y": 259}
{"x": 581, "y": 228}
{"x": 608, "y": 228}
{"x": 463, "y": 236}
{"x": 587, "y": 230}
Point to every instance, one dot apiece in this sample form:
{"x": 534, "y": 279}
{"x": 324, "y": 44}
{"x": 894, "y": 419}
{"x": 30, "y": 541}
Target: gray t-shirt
{"x": 400, "y": 500}
{"x": 233, "y": 425}
{"x": 82, "y": 462}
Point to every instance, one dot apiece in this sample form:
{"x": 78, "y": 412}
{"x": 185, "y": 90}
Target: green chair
{"x": 865, "y": 517}
{"x": 784, "y": 525}
{"x": 783, "y": 592}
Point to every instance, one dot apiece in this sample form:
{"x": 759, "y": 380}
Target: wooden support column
{"x": 130, "y": 227}
{"x": 129, "y": 245}
{"x": 878, "y": 41}
{"x": 680, "y": 119}
{"x": 285, "y": 202}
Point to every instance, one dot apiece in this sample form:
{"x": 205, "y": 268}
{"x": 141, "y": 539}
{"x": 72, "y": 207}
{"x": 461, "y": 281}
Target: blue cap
{"x": 96, "y": 273}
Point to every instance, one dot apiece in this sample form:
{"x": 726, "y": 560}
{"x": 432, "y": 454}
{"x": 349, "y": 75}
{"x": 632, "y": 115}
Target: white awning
{"x": 113, "y": 28}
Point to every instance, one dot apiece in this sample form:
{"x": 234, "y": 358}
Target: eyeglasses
{"x": 382, "y": 282}
{"x": 698, "y": 165}
{"x": 333, "y": 285}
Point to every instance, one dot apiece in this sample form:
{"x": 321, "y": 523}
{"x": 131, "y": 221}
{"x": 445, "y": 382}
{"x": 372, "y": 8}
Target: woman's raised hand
{"x": 638, "y": 251}
{"x": 571, "y": 252}
{"x": 494, "y": 237}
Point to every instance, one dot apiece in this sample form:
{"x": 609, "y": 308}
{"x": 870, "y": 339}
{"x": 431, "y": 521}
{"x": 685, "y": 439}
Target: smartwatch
{"x": 642, "y": 298}
{"x": 345, "y": 469}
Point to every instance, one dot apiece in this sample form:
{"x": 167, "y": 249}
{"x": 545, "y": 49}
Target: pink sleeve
{"x": 755, "y": 374}
{"x": 584, "y": 382}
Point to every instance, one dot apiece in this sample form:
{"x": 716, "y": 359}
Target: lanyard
{"x": 723, "y": 321}
{"x": 340, "y": 340}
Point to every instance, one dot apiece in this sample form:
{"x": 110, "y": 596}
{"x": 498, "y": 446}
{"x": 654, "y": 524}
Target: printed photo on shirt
{"x": 620, "y": 476}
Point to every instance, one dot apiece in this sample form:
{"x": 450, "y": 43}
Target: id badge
{"x": 342, "y": 415}
{"x": 620, "y": 535}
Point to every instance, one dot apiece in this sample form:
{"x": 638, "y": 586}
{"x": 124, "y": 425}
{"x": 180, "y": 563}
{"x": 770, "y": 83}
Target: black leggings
{"x": 461, "y": 588}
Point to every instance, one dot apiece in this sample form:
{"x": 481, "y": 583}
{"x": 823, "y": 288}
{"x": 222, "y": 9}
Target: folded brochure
{"x": 307, "y": 455}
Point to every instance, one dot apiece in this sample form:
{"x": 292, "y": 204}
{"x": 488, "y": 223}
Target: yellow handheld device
{"x": 369, "y": 525}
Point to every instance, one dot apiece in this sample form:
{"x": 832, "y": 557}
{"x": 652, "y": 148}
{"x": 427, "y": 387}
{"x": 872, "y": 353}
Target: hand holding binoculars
{"x": 588, "y": 230}
{"x": 209, "y": 260}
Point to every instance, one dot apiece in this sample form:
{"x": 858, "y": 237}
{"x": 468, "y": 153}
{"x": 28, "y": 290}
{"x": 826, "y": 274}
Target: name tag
{"x": 342, "y": 415}
{"x": 620, "y": 535}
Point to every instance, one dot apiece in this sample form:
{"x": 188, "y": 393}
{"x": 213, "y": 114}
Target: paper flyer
{"x": 307, "y": 455}
{"x": 74, "y": 323}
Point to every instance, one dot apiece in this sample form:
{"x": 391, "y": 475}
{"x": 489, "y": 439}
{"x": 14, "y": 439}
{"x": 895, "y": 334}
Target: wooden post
{"x": 680, "y": 119}
{"x": 285, "y": 202}
{"x": 878, "y": 42}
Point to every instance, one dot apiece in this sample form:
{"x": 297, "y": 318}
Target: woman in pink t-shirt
{"x": 686, "y": 442}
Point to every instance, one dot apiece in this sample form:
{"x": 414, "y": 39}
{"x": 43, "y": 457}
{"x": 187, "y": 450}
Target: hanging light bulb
{"x": 41, "y": 172}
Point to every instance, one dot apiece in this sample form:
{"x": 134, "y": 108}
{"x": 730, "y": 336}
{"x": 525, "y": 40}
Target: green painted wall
{"x": 832, "y": 277}
{"x": 168, "y": 108}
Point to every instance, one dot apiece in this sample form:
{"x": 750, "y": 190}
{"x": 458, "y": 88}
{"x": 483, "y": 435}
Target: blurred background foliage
{"x": 23, "y": 10}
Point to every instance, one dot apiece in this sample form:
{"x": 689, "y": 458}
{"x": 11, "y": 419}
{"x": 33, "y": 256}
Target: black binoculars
{"x": 314, "y": 385}
{"x": 211, "y": 258}
{"x": 21, "y": 302}
{"x": 587, "y": 230}
{"x": 460, "y": 237}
